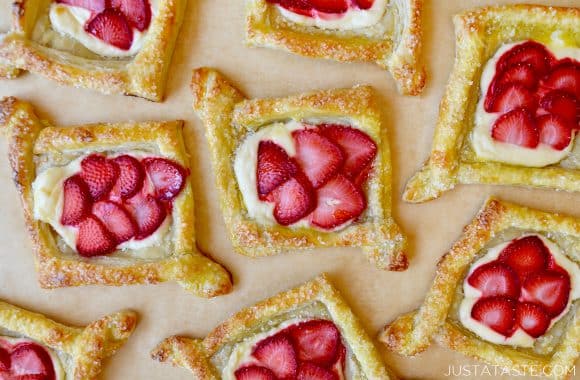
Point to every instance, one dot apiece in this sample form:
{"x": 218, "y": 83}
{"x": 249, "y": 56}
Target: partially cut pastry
{"x": 33, "y": 347}
{"x": 386, "y": 32}
{"x": 308, "y": 332}
{"x": 113, "y": 46}
{"x": 306, "y": 171}
{"x": 511, "y": 111}
{"x": 108, "y": 204}
{"x": 507, "y": 293}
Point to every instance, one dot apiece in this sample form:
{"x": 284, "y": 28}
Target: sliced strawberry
{"x": 555, "y": 131}
{"x": 100, "y": 174}
{"x": 510, "y": 97}
{"x": 497, "y": 313}
{"x": 254, "y": 373}
{"x": 274, "y": 167}
{"x": 117, "y": 220}
{"x": 358, "y": 148}
{"x": 94, "y": 239}
{"x": 565, "y": 77}
{"x": 316, "y": 341}
{"x": 330, "y": 6}
{"x": 495, "y": 279}
{"x": 131, "y": 176}
{"x": 277, "y": 354}
{"x": 554, "y": 267}
{"x": 516, "y": 127}
{"x": 520, "y": 73}
{"x": 112, "y": 27}
{"x": 339, "y": 365}
{"x": 525, "y": 256}
{"x": 76, "y": 201}
{"x": 294, "y": 200}
{"x": 310, "y": 371}
{"x": 4, "y": 360}
{"x": 94, "y": 6}
{"x": 532, "y": 319}
{"x": 147, "y": 212}
{"x": 338, "y": 202}
{"x": 548, "y": 289}
{"x": 529, "y": 52}
{"x": 137, "y": 12}
{"x": 562, "y": 104}
{"x": 29, "y": 377}
{"x": 31, "y": 359}
{"x": 168, "y": 177}
{"x": 302, "y": 7}
{"x": 362, "y": 177}
{"x": 364, "y": 4}
{"x": 319, "y": 157}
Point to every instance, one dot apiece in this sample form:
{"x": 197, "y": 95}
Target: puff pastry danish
{"x": 117, "y": 46}
{"x": 275, "y": 339}
{"x": 506, "y": 293}
{"x": 108, "y": 204}
{"x": 305, "y": 171}
{"x": 510, "y": 112}
{"x": 385, "y": 32}
{"x": 35, "y": 347}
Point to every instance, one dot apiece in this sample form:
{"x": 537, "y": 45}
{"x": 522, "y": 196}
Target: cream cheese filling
{"x": 58, "y": 370}
{"x": 486, "y": 147}
{"x": 520, "y": 338}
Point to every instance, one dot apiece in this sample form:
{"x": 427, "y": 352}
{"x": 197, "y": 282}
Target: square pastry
{"x": 384, "y": 32}
{"x": 306, "y": 171}
{"x": 507, "y": 293}
{"x": 112, "y": 46}
{"x": 308, "y": 332}
{"x": 33, "y": 347}
{"x": 511, "y": 109}
{"x": 108, "y": 204}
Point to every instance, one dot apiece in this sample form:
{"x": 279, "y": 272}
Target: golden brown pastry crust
{"x": 196, "y": 354}
{"x": 479, "y": 33}
{"x": 228, "y": 117}
{"x": 412, "y": 332}
{"x": 144, "y": 75}
{"x": 85, "y": 347}
{"x": 398, "y": 51}
{"x": 32, "y": 139}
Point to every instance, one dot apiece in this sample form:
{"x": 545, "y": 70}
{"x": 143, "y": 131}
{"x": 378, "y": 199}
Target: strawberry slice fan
{"x": 108, "y": 204}
{"x": 310, "y": 181}
{"x": 308, "y": 332}
{"x": 506, "y": 293}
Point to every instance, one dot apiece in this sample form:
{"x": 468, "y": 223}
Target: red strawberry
{"x": 131, "y": 176}
{"x": 168, "y": 177}
{"x": 338, "y": 202}
{"x": 29, "y": 360}
{"x": 516, "y": 127}
{"x": 562, "y": 104}
{"x": 310, "y": 371}
{"x": 532, "y": 319}
{"x": 497, "y": 313}
{"x": 117, "y": 220}
{"x": 495, "y": 279}
{"x": 4, "y": 360}
{"x": 555, "y": 131}
{"x": 138, "y": 12}
{"x": 76, "y": 201}
{"x": 339, "y": 364}
{"x": 565, "y": 76}
{"x": 112, "y": 27}
{"x": 319, "y": 158}
{"x": 277, "y": 354}
{"x": 100, "y": 174}
{"x": 364, "y": 4}
{"x": 520, "y": 73}
{"x": 147, "y": 212}
{"x": 549, "y": 289}
{"x": 316, "y": 341}
{"x": 274, "y": 167}
{"x": 94, "y": 6}
{"x": 529, "y": 52}
{"x": 362, "y": 177}
{"x": 525, "y": 256}
{"x": 254, "y": 373}
{"x": 510, "y": 97}
{"x": 38, "y": 376}
{"x": 358, "y": 148}
{"x": 554, "y": 267}
{"x": 94, "y": 239}
{"x": 302, "y": 7}
{"x": 294, "y": 200}
{"x": 330, "y": 6}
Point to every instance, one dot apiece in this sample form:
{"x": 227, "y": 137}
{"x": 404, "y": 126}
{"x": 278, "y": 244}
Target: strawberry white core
{"x": 472, "y": 295}
{"x": 487, "y": 147}
{"x": 29, "y": 362}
